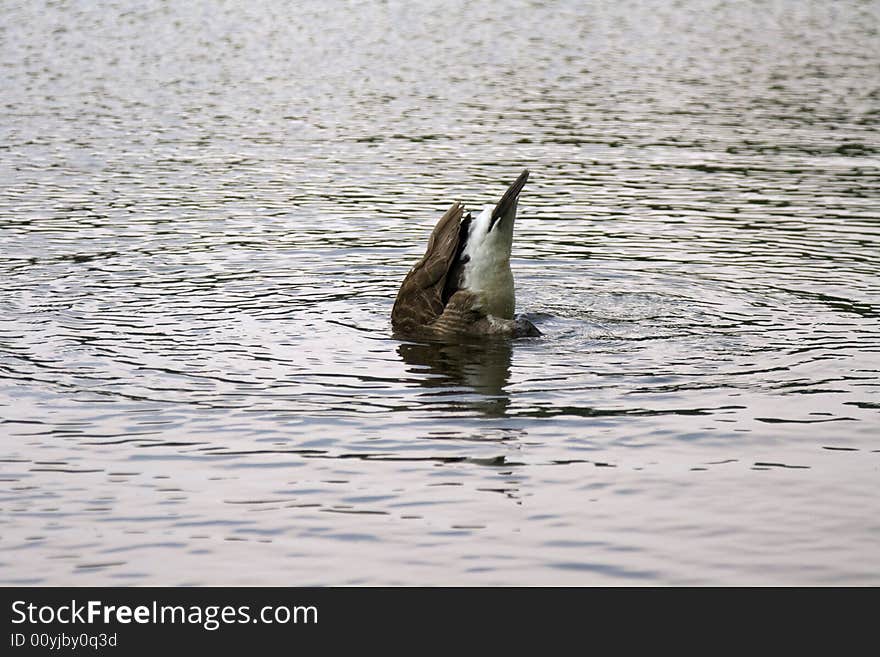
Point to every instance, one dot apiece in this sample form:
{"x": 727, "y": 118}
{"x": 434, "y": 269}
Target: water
{"x": 207, "y": 209}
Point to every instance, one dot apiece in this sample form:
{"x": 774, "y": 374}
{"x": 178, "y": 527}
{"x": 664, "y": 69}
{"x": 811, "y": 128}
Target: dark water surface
{"x": 206, "y": 210}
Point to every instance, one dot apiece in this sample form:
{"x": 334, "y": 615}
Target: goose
{"x": 463, "y": 285}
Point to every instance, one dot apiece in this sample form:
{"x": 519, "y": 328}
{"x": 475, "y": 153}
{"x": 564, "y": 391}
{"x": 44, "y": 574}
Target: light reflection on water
{"x": 205, "y": 217}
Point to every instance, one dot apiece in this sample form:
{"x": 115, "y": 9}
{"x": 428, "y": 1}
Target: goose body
{"x": 463, "y": 284}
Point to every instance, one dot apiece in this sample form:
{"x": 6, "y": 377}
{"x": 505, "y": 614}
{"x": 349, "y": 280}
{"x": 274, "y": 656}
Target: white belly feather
{"x": 487, "y": 272}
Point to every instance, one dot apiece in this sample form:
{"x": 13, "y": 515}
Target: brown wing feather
{"x": 420, "y": 298}
{"x": 464, "y": 316}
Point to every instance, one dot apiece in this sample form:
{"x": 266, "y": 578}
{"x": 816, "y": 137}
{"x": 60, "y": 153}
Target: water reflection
{"x": 482, "y": 368}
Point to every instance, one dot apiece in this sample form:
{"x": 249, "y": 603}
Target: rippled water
{"x": 206, "y": 211}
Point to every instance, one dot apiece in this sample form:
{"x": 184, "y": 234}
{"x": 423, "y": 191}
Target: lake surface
{"x": 206, "y": 210}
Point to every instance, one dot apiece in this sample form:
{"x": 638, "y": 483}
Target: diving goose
{"x": 463, "y": 285}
